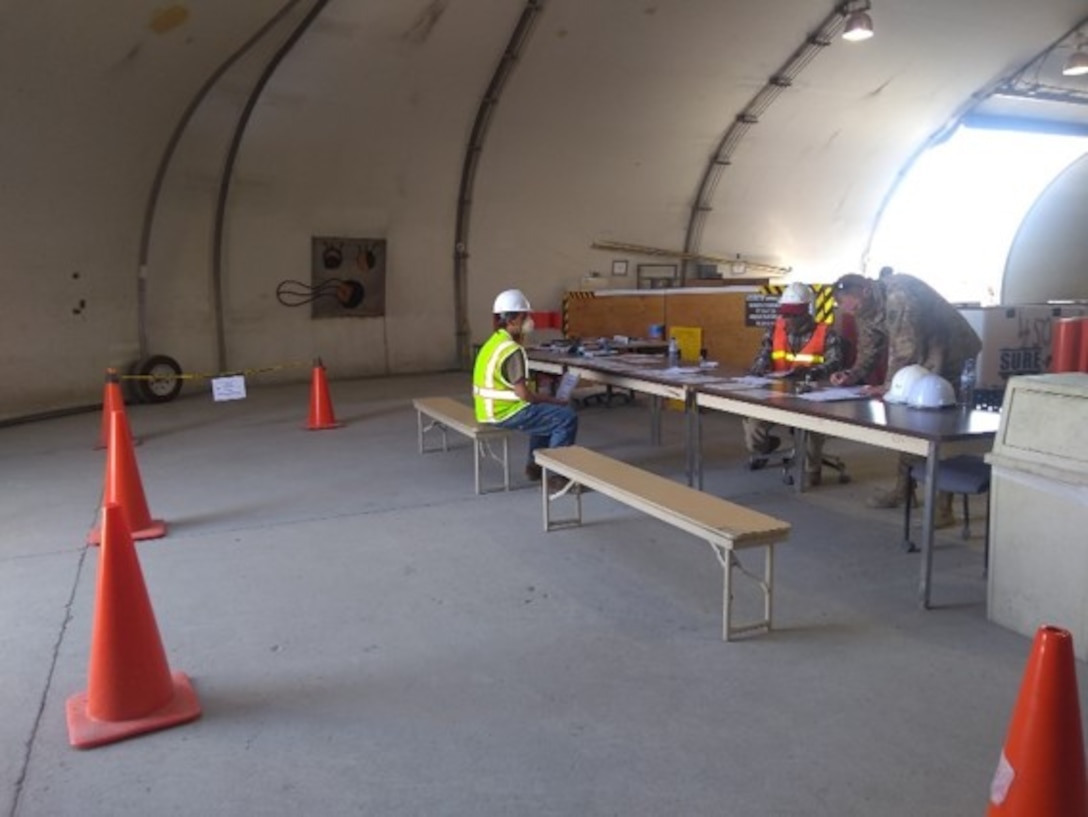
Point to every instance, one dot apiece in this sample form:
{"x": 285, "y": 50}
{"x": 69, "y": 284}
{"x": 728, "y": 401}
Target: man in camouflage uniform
{"x": 916, "y": 325}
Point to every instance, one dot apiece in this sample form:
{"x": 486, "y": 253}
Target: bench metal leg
{"x": 433, "y": 425}
{"x": 728, "y": 561}
{"x": 476, "y": 462}
{"x": 482, "y": 448}
{"x": 547, "y": 499}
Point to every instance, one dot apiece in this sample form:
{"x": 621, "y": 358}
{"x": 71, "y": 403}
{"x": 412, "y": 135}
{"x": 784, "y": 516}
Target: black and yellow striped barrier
{"x": 574, "y": 295}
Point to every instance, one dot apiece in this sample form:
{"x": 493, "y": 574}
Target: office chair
{"x": 965, "y": 474}
{"x": 786, "y": 459}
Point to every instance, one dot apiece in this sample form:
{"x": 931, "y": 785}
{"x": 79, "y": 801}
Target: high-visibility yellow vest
{"x": 495, "y": 398}
{"x": 811, "y": 354}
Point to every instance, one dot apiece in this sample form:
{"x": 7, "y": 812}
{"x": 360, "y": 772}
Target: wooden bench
{"x": 447, "y": 414}
{"x": 726, "y": 526}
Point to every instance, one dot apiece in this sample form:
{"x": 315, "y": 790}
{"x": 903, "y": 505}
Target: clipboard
{"x": 566, "y": 385}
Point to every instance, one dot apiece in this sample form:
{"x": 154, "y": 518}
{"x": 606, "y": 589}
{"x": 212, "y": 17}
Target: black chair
{"x": 965, "y": 474}
{"x": 786, "y": 459}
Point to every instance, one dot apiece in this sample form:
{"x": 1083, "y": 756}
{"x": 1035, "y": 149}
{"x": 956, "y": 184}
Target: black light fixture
{"x": 859, "y": 25}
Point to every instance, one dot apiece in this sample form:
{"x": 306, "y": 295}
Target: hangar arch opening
{"x": 954, "y": 216}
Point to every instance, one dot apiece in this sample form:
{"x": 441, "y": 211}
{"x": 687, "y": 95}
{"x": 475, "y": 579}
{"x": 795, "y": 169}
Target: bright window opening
{"x": 954, "y": 216}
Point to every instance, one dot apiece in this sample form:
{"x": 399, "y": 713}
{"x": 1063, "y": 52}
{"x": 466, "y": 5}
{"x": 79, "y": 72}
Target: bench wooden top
{"x": 455, "y": 414}
{"x": 632, "y": 485}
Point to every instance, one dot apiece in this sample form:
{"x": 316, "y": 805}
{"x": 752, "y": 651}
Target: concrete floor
{"x": 368, "y": 637}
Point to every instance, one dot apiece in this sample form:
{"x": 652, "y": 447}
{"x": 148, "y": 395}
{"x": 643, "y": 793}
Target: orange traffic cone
{"x": 1041, "y": 771}
{"x": 123, "y": 485}
{"x": 130, "y": 690}
{"x": 112, "y": 400}
{"x": 321, "y": 413}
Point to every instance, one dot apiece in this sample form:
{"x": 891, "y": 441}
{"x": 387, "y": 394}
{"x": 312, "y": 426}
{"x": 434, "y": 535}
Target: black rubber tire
{"x": 165, "y": 383}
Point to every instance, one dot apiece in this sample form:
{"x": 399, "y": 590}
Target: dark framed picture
{"x": 619, "y": 267}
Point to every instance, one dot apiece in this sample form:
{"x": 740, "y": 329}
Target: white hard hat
{"x": 931, "y": 392}
{"x": 796, "y": 293}
{"x": 511, "y": 300}
{"x": 904, "y": 381}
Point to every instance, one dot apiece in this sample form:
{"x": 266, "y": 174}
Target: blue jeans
{"x": 547, "y": 424}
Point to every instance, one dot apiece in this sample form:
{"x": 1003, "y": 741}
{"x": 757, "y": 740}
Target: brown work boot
{"x": 533, "y": 472}
{"x": 896, "y": 495}
{"x": 890, "y": 498}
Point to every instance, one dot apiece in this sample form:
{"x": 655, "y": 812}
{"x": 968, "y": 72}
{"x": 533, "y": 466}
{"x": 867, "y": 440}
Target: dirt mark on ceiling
{"x": 423, "y": 26}
{"x": 169, "y": 18}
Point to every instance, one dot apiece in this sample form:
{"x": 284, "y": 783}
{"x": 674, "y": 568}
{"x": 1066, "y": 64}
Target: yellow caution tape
{"x": 209, "y": 376}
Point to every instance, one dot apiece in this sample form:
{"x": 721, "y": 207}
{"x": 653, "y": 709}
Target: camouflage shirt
{"x": 796, "y": 341}
{"x": 916, "y": 325}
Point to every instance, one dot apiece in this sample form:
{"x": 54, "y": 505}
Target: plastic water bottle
{"x": 674, "y": 354}
{"x": 967, "y": 384}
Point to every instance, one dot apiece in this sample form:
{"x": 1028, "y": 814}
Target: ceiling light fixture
{"x": 859, "y": 26}
{"x": 1077, "y": 64}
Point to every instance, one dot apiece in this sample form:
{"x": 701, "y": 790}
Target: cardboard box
{"x": 1015, "y": 339}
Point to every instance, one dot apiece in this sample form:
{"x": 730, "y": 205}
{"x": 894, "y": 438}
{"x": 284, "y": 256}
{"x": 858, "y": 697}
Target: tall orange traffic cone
{"x": 321, "y": 413}
{"x": 1041, "y": 770}
{"x": 130, "y": 690}
{"x": 112, "y": 400}
{"x": 123, "y": 485}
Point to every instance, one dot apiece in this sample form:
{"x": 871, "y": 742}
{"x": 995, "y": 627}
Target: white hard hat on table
{"x": 931, "y": 391}
{"x": 904, "y": 381}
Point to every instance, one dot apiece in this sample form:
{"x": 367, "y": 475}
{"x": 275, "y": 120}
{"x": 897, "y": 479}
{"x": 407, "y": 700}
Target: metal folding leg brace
{"x": 728, "y": 560}
{"x": 483, "y": 449}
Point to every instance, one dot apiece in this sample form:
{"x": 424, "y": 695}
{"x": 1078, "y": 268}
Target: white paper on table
{"x": 566, "y": 385}
{"x": 735, "y": 384}
{"x": 700, "y": 379}
{"x": 231, "y": 387}
{"x": 752, "y": 380}
{"x": 683, "y": 370}
{"x": 639, "y": 359}
{"x": 830, "y": 395}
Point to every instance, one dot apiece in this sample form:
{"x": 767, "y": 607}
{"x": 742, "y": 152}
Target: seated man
{"x": 795, "y": 347}
{"x": 500, "y": 391}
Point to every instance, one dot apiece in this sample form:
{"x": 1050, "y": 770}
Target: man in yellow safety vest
{"x": 500, "y": 390}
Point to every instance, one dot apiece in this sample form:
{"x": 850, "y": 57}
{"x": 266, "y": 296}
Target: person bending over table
{"x": 917, "y": 326}
{"x": 500, "y": 391}
{"x": 799, "y": 348}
